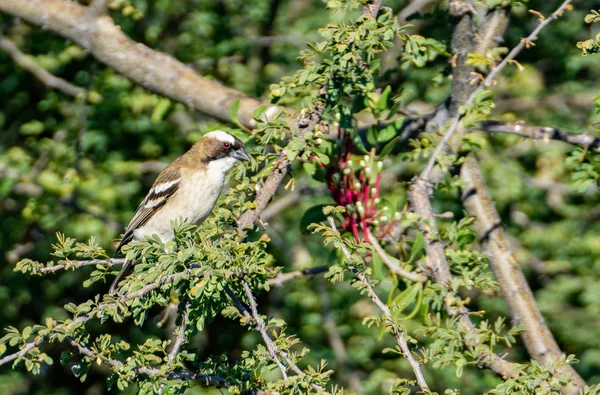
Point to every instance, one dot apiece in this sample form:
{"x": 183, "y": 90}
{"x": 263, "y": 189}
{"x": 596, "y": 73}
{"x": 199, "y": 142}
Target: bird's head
{"x": 220, "y": 150}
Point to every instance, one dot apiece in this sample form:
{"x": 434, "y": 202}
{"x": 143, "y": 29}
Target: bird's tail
{"x": 125, "y": 270}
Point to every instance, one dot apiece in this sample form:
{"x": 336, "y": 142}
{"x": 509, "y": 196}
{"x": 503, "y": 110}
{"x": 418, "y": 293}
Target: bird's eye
{"x": 226, "y": 145}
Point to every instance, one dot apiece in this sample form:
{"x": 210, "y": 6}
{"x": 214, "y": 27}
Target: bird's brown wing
{"x": 162, "y": 190}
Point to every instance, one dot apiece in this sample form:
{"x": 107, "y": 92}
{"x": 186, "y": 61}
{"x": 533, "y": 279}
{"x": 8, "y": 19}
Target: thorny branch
{"x": 180, "y": 333}
{"x": 262, "y": 329}
{"x": 488, "y": 81}
{"x": 207, "y": 380}
{"x": 77, "y": 264}
{"x": 394, "y": 268}
{"x": 420, "y": 198}
{"x": 386, "y": 313}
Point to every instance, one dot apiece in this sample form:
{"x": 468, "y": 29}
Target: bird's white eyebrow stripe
{"x": 222, "y": 136}
{"x": 163, "y": 187}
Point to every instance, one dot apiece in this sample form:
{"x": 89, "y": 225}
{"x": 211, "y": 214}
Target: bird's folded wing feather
{"x": 162, "y": 190}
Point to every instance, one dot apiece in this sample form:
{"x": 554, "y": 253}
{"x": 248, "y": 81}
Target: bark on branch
{"x": 38, "y": 71}
{"x": 541, "y": 133}
{"x": 161, "y": 73}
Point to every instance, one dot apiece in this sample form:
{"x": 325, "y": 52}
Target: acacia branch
{"x": 206, "y": 380}
{"x": 488, "y": 81}
{"x": 78, "y": 264}
{"x": 547, "y": 350}
{"x": 262, "y": 329}
{"x": 541, "y": 133}
{"x": 538, "y": 339}
{"x": 393, "y": 267}
{"x": 161, "y": 73}
{"x": 181, "y": 333}
{"x": 400, "y": 340}
{"x": 280, "y": 278}
{"x": 38, "y": 71}
{"x": 21, "y": 353}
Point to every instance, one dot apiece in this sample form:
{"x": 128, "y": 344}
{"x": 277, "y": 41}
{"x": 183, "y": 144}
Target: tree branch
{"x": 394, "y": 268}
{"x": 181, "y": 333}
{"x": 541, "y": 133}
{"x": 39, "y": 72}
{"x": 400, "y": 340}
{"x": 21, "y": 353}
{"x": 155, "y": 71}
{"x": 537, "y": 337}
{"x": 262, "y": 329}
{"x": 79, "y": 264}
{"x": 206, "y": 380}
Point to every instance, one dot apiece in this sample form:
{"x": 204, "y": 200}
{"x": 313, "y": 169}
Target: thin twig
{"x": 280, "y": 278}
{"x": 39, "y": 72}
{"x": 20, "y": 353}
{"x": 207, "y": 380}
{"x": 77, "y": 264}
{"x": 386, "y": 313}
{"x": 258, "y": 324}
{"x": 181, "y": 333}
{"x": 394, "y": 268}
{"x": 262, "y": 329}
{"x": 455, "y": 122}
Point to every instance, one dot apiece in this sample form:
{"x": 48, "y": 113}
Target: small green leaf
{"x": 234, "y": 110}
{"x": 387, "y": 133}
{"x": 389, "y": 147}
{"x": 417, "y": 248}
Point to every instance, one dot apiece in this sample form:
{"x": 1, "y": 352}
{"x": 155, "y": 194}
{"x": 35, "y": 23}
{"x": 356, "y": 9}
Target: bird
{"x": 187, "y": 189}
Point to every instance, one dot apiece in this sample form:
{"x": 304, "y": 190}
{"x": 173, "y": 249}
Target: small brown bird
{"x": 187, "y": 189}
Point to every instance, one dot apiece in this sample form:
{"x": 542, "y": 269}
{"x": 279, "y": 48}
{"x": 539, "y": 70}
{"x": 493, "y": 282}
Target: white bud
{"x": 397, "y": 216}
{"x": 367, "y": 158}
{"x": 360, "y": 208}
{"x": 319, "y": 141}
{"x": 373, "y": 191}
{"x": 362, "y": 163}
{"x": 347, "y": 171}
{"x": 377, "y": 201}
{"x": 350, "y": 163}
{"x": 376, "y": 222}
{"x": 357, "y": 185}
{"x": 384, "y": 218}
{"x": 379, "y": 165}
{"x": 385, "y": 208}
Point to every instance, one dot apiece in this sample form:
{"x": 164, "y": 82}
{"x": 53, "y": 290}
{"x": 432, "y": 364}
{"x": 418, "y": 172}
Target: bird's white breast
{"x": 194, "y": 200}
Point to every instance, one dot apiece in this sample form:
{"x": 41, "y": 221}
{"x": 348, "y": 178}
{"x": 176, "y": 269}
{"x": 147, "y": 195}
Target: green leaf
{"x": 387, "y": 133}
{"x": 258, "y": 112}
{"x": 418, "y": 248}
{"x": 389, "y": 147}
{"x": 234, "y": 110}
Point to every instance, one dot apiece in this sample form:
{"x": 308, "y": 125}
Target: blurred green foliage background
{"x": 81, "y": 169}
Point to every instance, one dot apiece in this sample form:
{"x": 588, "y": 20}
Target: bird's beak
{"x": 240, "y": 154}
